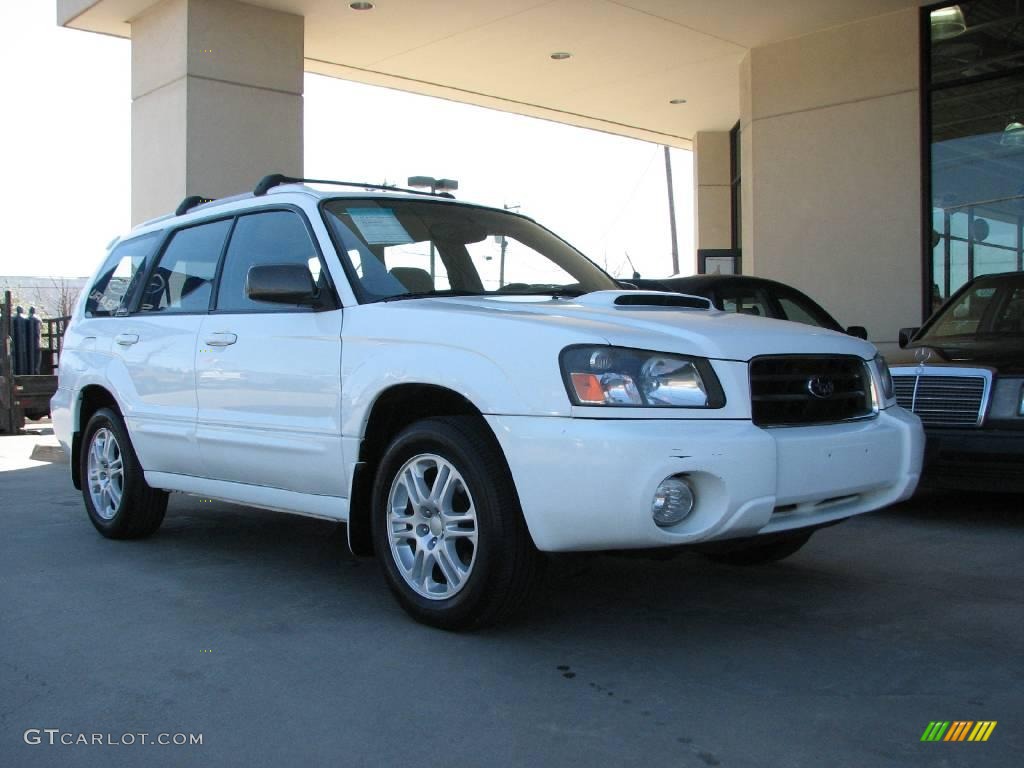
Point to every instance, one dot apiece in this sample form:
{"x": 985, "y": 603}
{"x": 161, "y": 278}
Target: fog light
{"x": 672, "y": 502}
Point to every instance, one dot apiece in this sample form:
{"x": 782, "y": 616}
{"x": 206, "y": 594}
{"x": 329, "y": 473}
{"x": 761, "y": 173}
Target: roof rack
{"x": 276, "y": 179}
{"x": 191, "y": 202}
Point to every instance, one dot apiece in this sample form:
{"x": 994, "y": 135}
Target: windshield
{"x": 396, "y": 249}
{"x": 992, "y": 307}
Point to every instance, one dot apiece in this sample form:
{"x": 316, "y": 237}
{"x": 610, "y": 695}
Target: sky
{"x": 68, "y": 153}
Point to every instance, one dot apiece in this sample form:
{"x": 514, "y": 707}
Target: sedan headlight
{"x": 617, "y": 376}
{"x": 885, "y": 379}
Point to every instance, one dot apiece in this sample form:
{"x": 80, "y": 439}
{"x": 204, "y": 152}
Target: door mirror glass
{"x": 281, "y": 284}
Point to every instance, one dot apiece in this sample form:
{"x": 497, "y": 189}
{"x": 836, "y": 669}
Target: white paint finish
{"x": 310, "y": 505}
{"x": 155, "y": 383}
{"x": 588, "y": 484}
{"x": 502, "y": 355}
{"x": 585, "y": 475}
{"x": 270, "y": 403}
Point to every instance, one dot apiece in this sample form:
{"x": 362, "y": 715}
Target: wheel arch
{"x": 394, "y": 409}
{"x": 90, "y": 399}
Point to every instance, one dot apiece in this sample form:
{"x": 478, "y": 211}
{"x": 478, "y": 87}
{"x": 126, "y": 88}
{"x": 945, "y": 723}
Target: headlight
{"x": 885, "y": 377}
{"x": 596, "y": 375}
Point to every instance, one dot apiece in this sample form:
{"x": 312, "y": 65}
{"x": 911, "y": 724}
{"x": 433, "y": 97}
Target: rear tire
{"x": 447, "y": 526}
{"x": 757, "y": 551}
{"x": 119, "y": 502}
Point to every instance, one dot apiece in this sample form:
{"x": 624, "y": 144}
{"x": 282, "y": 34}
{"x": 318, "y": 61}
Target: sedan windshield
{"x": 398, "y": 249}
{"x": 991, "y": 307}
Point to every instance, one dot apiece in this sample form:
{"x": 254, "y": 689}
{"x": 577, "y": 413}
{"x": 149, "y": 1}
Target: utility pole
{"x": 672, "y": 213}
{"x": 504, "y": 245}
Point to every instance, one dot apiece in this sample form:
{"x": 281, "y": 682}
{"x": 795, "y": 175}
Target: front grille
{"x": 793, "y": 390}
{"x": 947, "y": 401}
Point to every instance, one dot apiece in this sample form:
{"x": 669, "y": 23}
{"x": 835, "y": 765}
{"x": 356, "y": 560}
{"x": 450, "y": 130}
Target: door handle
{"x": 126, "y": 339}
{"x": 221, "y": 339}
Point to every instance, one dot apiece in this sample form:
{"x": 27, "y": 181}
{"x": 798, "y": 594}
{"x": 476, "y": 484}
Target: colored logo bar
{"x": 958, "y": 730}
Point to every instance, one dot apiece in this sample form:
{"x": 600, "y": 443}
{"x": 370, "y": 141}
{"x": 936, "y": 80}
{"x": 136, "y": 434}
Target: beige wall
{"x": 831, "y": 169}
{"x": 216, "y": 100}
{"x": 712, "y": 178}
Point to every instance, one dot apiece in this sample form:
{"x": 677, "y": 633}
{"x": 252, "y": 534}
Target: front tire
{"x": 447, "y": 526}
{"x": 119, "y": 502}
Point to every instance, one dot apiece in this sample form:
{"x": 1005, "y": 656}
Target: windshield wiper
{"x": 431, "y": 295}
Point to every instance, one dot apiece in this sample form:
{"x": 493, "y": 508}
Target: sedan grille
{"x": 793, "y": 390}
{"x": 941, "y": 400}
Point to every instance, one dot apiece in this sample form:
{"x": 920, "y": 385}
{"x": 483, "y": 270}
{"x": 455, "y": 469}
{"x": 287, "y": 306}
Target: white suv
{"x": 461, "y": 387}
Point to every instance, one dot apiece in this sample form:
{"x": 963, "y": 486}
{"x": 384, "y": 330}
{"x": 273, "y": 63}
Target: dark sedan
{"x": 752, "y": 296}
{"x": 963, "y": 374}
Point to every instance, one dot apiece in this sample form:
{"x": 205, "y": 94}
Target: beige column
{"x": 831, "y": 169}
{"x": 216, "y": 100}
{"x": 712, "y": 182}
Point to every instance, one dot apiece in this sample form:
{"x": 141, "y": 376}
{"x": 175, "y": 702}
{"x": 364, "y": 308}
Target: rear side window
{"x": 273, "y": 237}
{"x": 183, "y": 278}
{"x": 798, "y": 312}
{"x": 745, "y": 300}
{"x": 124, "y": 267}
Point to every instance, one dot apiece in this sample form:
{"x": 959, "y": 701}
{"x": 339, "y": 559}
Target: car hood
{"x": 595, "y": 317}
{"x": 1005, "y": 355}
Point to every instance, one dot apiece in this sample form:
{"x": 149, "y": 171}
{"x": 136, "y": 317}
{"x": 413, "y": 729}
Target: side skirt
{"x": 276, "y": 499}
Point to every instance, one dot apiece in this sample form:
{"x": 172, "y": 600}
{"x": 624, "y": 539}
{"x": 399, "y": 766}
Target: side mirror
{"x": 907, "y": 335}
{"x": 281, "y": 284}
{"x": 859, "y": 331}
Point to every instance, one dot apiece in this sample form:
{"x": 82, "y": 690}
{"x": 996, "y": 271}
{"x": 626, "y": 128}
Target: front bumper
{"x": 587, "y": 484}
{"x": 975, "y": 459}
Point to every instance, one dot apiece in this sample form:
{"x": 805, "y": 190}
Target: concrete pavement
{"x": 259, "y": 631}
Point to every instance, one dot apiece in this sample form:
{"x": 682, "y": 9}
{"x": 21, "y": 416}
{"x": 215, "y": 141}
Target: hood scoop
{"x": 641, "y": 299}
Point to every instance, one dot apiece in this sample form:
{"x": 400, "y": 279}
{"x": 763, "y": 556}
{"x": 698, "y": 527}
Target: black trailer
{"x": 28, "y": 395}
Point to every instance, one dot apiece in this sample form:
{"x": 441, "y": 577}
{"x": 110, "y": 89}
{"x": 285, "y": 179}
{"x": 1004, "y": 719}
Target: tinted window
{"x": 398, "y": 248}
{"x": 986, "y": 308}
{"x": 800, "y": 309}
{"x": 745, "y": 300}
{"x": 275, "y": 237}
{"x": 123, "y": 268}
{"x": 183, "y": 278}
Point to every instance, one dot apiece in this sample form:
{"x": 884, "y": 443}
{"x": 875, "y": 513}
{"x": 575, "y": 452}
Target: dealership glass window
{"x": 974, "y": 107}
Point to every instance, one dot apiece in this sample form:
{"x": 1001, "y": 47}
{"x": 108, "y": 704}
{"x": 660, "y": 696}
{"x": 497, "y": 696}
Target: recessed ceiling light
{"x": 677, "y": 101}
{"x": 561, "y": 55}
{"x": 361, "y": 6}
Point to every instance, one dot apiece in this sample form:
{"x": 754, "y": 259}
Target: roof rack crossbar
{"x": 276, "y": 179}
{"x": 191, "y": 202}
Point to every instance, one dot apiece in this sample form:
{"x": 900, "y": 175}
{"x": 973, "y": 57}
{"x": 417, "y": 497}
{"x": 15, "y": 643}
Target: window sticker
{"x": 379, "y": 226}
